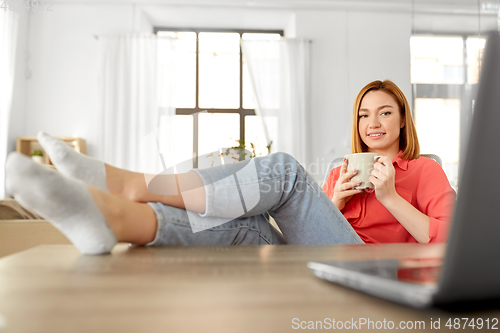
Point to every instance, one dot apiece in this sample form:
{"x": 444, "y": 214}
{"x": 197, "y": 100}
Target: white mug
{"x": 363, "y": 162}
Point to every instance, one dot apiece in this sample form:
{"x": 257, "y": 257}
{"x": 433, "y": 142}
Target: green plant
{"x": 37, "y": 152}
{"x": 269, "y": 147}
{"x": 239, "y": 152}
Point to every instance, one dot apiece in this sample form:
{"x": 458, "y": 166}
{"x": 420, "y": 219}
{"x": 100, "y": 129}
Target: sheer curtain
{"x": 136, "y": 86}
{"x": 280, "y": 75}
{"x": 8, "y": 37}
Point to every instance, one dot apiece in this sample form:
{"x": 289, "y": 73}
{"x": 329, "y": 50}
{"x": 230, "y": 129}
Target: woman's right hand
{"x": 344, "y": 188}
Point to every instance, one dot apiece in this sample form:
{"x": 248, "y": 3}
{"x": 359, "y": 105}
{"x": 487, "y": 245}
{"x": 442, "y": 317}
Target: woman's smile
{"x": 375, "y": 135}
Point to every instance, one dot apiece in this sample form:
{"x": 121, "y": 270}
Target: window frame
{"x": 195, "y": 111}
{"x": 465, "y": 92}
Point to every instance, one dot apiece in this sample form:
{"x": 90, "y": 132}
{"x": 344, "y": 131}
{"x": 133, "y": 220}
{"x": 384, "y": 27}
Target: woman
{"x": 413, "y": 199}
{"x": 96, "y": 205}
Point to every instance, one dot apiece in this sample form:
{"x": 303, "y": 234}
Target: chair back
{"x": 433, "y": 157}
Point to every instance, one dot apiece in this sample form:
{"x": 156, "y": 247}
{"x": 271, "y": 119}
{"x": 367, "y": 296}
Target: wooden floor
{"x": 53, "y": 288}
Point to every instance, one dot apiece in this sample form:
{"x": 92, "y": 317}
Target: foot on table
{"x": 73, "y": 164}
{"x": 66, "y": 203}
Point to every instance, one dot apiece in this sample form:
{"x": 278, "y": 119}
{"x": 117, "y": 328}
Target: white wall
{"x": 63, "y": 97}
{"x": 350, "y": 48}
{"x": 330, "y": 117}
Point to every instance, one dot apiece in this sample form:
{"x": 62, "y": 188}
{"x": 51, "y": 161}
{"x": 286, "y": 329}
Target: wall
{"x": 64, "y": 63}
{"x": 350, "y": 48}
{"x": 330, "y": 117}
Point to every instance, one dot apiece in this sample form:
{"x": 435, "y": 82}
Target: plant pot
{"x": 37, "y": 159}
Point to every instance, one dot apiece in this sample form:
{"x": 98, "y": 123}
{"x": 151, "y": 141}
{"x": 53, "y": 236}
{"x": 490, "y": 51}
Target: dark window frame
{"x": 195, "y": 111}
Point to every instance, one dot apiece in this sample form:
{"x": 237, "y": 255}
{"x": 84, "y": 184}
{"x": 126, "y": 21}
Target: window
{"x": 211, "y": 76}
{"x": 444, "y": 75}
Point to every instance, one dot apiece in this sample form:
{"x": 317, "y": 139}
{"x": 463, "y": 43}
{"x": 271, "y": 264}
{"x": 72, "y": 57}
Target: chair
{"x": 338, "y": 161}
{"x": 433, "y": 157}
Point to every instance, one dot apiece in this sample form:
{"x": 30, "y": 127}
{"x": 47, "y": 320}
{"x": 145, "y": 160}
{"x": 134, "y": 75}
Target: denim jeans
{"x": 239, "y": 198}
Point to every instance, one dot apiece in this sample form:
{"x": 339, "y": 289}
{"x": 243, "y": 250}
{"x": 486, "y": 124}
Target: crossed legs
{"x": 116, "y": 198}
{"x": 95, "y": 205}
{"x": 125, "y": 208}
{"x": 166, "y": 189}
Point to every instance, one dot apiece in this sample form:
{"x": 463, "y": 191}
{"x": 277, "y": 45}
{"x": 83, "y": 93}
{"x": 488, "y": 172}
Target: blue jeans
{"x": 239, "y": 198}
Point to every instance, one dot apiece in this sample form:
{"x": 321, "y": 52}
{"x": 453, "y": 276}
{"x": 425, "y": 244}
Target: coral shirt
{"x": 421, "y": 182}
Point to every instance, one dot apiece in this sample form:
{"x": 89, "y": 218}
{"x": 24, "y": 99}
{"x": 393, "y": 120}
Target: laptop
{"x": 469, "y": 273}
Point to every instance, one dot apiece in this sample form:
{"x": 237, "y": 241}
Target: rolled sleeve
{"x": 209, "y": 192}
{"x": 436, "y": 199}
{"x": 438, "y": 230}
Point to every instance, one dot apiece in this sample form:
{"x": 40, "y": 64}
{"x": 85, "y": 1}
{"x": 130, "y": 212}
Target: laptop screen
{"x": 471, "y": 270}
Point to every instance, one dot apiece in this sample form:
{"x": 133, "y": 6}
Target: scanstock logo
{"x": 231, "y": 189}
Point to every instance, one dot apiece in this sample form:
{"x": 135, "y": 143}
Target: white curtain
{"x": 137, "y": 89}
{"x": 280, "y": 75}
{"x": 8, "y": 37}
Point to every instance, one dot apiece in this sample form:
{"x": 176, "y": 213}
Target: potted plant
{"x": 239, "y": 153}
{"x": 37, "y": 156}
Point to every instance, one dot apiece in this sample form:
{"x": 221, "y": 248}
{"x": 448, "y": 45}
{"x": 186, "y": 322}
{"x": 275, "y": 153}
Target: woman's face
{"x": 379, "y": 122}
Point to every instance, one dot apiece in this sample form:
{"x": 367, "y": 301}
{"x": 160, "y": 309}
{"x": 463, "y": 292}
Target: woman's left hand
{"x": 382, "y": 177}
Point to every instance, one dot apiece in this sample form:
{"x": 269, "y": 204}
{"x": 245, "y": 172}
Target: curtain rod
{"x": 308, "y": 40}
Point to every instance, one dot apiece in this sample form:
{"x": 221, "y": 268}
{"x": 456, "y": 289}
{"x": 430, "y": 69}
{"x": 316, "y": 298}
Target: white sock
{"x": 73, "y": 164}
{"x": 66, "y": 203}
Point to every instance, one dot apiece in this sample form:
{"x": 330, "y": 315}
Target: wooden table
{"x": 52, "y": 288}
{"x": 19, "y": 235}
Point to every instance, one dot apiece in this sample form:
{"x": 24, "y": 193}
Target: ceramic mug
{"x": 363, "y": 162}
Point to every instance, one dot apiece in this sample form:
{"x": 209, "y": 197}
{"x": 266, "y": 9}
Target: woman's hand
{"x": 344, "y": 188}
{"x": 382, "y": 177}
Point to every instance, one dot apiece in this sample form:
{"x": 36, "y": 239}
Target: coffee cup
{"x": 363, "y": 162}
